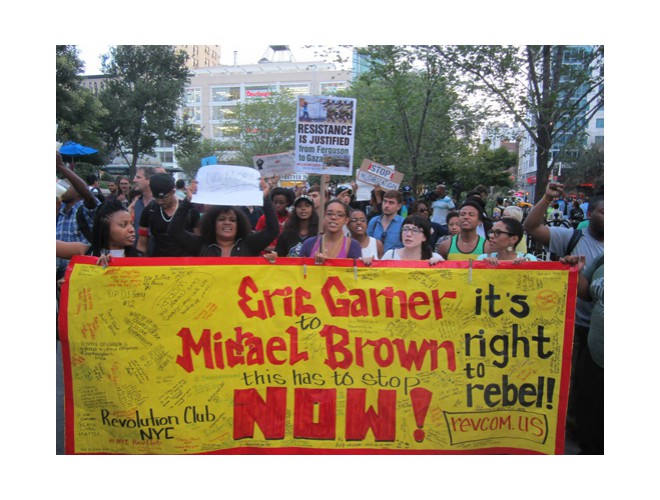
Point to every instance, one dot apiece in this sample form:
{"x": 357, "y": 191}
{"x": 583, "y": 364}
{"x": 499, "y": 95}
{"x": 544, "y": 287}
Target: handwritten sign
{"x": 325, "y": 135}
{"x": 228, "y": 185}
{"x": 212, "y": 355}
{"x": 376, "y": 174}
{"x": 274, "y": 164}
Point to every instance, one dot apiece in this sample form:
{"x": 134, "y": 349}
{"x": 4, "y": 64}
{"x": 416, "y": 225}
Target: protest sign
{"x": 274, "y": 164}
{"x": 228, "y": 185}
{"x": 325, "y": 135}
{"x": 293, "y": 180}
{"x": 379, "y": 175}
{"x": 217, "y": 355}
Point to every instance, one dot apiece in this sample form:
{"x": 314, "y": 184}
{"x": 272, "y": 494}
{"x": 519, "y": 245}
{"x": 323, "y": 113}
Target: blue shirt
{"x": 67, "y": 229}
{"x": 391, "y": 237}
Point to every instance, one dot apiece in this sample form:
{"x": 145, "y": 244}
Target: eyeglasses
{"x": 383, "y": 236}
{"x": 497, "y": 233}
{"x": 411, "y": 229}
{"x": 333, "y": 215}
{"x": 355, "y": 219}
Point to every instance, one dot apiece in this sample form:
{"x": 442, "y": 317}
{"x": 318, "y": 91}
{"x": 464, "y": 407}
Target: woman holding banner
{"x": 332, "y": 243}
{"x": 225, "y": 231}
{"x": 113, "y": 235}
{"x": 371, "y": 247}
{"x": 416, "y": 238}
{"x": 504, "y": 238}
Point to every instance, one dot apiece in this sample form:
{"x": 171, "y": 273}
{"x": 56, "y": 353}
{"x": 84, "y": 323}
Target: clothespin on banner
{"x": 355, "y": 273}
{"x": 305, "y": 271}
{"x": 470, "y": 272}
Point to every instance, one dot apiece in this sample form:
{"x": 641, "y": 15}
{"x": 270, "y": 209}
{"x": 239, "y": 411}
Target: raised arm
{"x": 78, "y": 184}
{"x": 534, "y": 224}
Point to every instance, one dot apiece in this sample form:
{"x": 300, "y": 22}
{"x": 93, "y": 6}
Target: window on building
{"x": 192, "y": 113}
{"x": 296, "y": 89}
{"x": 222, "y": 113}
{"x": 225, "y": 94}
{"x": 599, "y": 139}
{"x": 193, "y": 96}
{"x": 600, "y": 122}
{"x": 166, "y": 156}
{"x": 331, "y": 88}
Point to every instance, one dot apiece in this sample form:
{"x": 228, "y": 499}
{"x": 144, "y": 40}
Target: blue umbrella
{"x": 74, "y": 149}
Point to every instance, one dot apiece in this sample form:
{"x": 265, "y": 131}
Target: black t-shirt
{"x": 162, "y": 244}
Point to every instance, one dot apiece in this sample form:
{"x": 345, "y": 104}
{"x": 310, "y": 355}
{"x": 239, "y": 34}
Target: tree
{"x": 585, "y": 167}
{"x": 144, "y": 89}
{"x": 77, "y": 110}
{"x": 551, "y": 90}
{"x": 489, "y": 167}
{"x": 191, "y": 160}
{"x": 408, "y": 115}
{"x": 263, "y": 126}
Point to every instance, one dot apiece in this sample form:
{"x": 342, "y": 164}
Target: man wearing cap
{"x": 153, "y": 239}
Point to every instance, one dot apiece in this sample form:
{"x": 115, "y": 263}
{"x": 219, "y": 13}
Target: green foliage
{"x": 551, "y": 90}
{"x": 77, "y": 110}
{"x": 585, "y": 167}
{"x": 264, "y": 126}
{"x": 489, "y": 167}
{"x": 143, "y": 93}
{"x": 191, "y": 160}
{"x": 408, "y": 114}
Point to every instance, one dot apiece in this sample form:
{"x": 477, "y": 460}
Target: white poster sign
{"x": 228, "y": 185}
{"x": 274, "y": 164}
{"x": 325, "y": 135}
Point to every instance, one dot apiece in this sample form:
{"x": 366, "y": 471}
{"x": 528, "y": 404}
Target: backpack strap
{"x": 577, "y": 234}
{"x": 82, "y": 224}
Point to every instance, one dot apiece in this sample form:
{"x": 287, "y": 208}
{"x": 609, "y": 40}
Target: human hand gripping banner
{"x": 229, "y": 356}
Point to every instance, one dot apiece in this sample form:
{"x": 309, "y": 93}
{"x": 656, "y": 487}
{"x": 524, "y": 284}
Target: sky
{"x": 245, "y": 54}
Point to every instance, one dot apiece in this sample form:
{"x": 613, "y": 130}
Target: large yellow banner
{"x": 210, "y": 355}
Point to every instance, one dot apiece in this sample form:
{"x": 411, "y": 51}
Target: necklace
{"x": 332, "y": 253}
{"x": 162, "y": 213}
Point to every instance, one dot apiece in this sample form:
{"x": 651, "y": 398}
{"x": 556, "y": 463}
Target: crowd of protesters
{"x": 158, "y": 218}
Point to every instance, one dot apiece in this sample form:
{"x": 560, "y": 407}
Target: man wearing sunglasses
{"x": 387, "y": 226}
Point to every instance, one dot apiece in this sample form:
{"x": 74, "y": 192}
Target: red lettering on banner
{"x": 362, "y": 303}
{"x": 308, "y": 425}
{"x": 340, "y": 353}
{"x": 269, "y": 415}
{"x": 314, "y": 415}
{"x": 293, "y": 301}
{"x": 360, "y": 419}
{"x": 232, "y": 352}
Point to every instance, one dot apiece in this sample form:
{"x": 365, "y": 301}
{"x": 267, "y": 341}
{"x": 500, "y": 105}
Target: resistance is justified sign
{"x": 211, "y": 355}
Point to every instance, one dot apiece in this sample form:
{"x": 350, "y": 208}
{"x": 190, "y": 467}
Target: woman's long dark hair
{"x": 207, "y": 229}
{"x": 292, "y": 224}
{"x": 423, "y": 223}
{"x": 101, "y": 228}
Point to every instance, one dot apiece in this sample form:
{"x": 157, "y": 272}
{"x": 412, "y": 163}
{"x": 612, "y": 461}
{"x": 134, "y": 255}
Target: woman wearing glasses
{"x": 416, "y": 237}
{"x": 332, "y": 243}
{"x": 504, "y": 238}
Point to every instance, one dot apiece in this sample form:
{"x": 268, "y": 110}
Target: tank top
{"x": 455, "y": 253}
{"x": 371, "y": 249}
{"x": 343, "y": 251}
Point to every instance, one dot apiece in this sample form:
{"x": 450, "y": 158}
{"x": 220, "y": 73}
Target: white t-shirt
{"x": 441, "y": 208}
